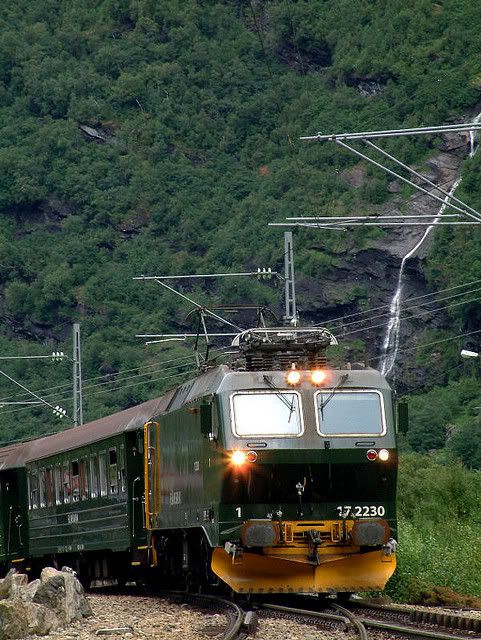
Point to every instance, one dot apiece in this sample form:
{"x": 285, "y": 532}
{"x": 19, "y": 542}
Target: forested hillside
{"x": 145, "y": 137}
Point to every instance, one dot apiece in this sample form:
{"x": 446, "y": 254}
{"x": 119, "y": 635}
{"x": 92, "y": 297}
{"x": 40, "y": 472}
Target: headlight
{"x": 384, "y": 455}
{"x": 238, "y": 458}
{"x": 293, "y": 376}
{"x": 318, "y": 376}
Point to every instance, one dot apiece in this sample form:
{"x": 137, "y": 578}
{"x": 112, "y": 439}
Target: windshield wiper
{"x": 340, "y": 384}
{"x": 281, "y": 396}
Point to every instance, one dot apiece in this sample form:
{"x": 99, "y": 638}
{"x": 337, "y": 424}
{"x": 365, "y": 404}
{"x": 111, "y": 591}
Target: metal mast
{"x": 77, "y": 377}
{"x": 291, "y": 309}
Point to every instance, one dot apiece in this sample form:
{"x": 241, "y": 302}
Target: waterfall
{"x": 390, "y": 345}
{"x": 391, "y": 339}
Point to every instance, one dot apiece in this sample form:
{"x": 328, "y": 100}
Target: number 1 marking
{"x": 239, "y": 512}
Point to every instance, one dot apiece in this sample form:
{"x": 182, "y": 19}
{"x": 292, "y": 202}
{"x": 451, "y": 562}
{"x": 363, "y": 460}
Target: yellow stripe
{"x": 145, "y": 546}
{"x": 18, "y": 560}
{"x": 135, "y": 564}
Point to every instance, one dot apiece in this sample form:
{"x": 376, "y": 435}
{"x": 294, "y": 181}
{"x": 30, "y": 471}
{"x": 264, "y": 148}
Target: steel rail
{"x": 331, "y": 617}
{"x": 406, "y": 630}
{"x": 355, "y": 621}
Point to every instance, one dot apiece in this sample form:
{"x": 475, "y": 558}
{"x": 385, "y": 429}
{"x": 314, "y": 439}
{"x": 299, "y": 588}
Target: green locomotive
{"x": 275, "y": 474}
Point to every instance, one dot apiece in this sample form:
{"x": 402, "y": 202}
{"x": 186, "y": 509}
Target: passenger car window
{"x": 266, "y": 413}
{"x": 103, "y": 473}
{"x": 75, "y": 481}
{"x": 33, "y": 489}
{"x": 94, "y": 477}
{"x": 43, "y": 495}
{"x": 67, "y": 488}
{"x": 49, "y": 487}
{"x": 84, "y": 479}
{"x": 113, "y": 478}
{"x": 350, "y": 413}
{"x": 58, "y": 485}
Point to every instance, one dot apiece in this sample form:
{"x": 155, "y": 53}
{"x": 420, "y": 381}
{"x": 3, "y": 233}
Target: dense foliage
{"x": 440, "y": 530}
{"x": 145, "y": 137}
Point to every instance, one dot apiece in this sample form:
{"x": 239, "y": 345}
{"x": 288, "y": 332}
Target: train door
{"x": 14, "y": 526}
{"x": 153, "y": 498}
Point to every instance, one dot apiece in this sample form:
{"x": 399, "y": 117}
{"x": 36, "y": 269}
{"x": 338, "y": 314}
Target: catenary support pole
{"x": 77, "y": 377}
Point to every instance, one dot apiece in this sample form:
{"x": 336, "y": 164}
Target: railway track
{"x": 241, "y": 621}
{"x": 384, "y": 621}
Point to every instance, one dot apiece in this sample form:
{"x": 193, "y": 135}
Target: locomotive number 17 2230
{"x": 361, "y": 511}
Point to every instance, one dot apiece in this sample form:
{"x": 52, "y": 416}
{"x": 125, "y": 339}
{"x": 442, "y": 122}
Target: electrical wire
{"x": 370, "y": 328}
{"x": 430, "y": 344}
{"x": 404, "y": 310}
{"x": 388, "y": 306}
{"x": 67, "y": 397}
{"x": 107, "y": 375}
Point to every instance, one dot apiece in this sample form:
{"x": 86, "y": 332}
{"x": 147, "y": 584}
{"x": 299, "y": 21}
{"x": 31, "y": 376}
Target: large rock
{"x": 12, "y": 584}
{"x": 13, "y": 619}
{"x": 63, "y": 593}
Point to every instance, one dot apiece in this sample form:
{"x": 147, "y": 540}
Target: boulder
{"x": 29, "y": 591}
{"x": 40, "y": 620}
{"x": 12, "y": 584}
{"x": 13, "y": 619}
{"x": 63, "y": 593}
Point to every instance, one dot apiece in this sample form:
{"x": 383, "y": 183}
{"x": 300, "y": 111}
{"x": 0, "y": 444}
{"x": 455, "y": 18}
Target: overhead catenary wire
{"x": 340, "y": 326}
{"x": 432, "y": 343}
{"x": 107, "y": 390}
{"x": 107, "y": 375}
{"x": 383, "y": 324}
{"x": 387, "y": 306}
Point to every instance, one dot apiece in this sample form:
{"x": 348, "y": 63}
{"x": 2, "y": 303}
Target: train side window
{"x": 58, "y": 484}
{"x": 75, "y": 481}
{"x": 33, "y": 489}
{"x": 84, "y": 479}
{"x": 94, "y": 477}
{"x": 122, "y": 469}
{"x": 67, "y": 487}
{"x": 103, "y": 473}
{"x": 113, "y": 478}
{"x": 43, "y": 493}
{"x": 49, "y": 487}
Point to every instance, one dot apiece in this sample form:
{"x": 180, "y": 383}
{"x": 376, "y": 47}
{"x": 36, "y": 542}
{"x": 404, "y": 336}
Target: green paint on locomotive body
{"x": 196, "y": 477}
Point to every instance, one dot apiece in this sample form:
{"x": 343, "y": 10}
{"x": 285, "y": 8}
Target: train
{"x": 275, "y": 473}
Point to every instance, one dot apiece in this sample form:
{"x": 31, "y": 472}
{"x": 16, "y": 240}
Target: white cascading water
{"x": 390, "y": 345}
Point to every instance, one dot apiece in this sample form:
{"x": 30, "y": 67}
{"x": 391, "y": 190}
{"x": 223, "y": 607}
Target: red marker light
{"x": 251, "y": 456}
{"x": 371, "y": 455}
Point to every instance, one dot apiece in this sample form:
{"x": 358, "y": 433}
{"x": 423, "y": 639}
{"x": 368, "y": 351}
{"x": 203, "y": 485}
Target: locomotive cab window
{"x": 266, "y": 413}
{"x": 350, "y": 413}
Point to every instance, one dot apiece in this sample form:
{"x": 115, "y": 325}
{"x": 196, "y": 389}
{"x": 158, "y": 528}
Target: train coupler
{"x": 234, "y": 550}
{"x": 315, "y": 540}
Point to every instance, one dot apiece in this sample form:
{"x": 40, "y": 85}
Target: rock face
{"x": 38, "y": 607}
